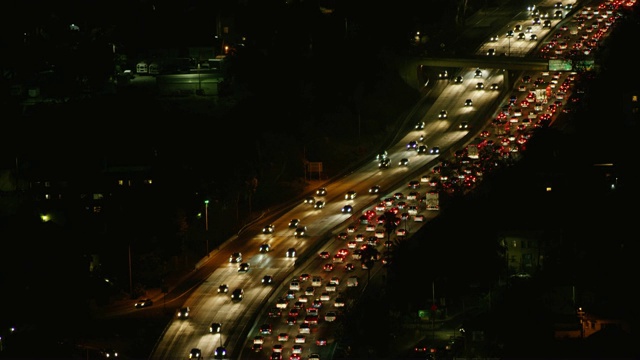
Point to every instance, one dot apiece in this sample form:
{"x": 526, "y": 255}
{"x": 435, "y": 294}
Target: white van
{"x": 142, "y": 68}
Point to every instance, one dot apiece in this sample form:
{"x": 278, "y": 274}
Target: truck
{"x": 472, "y": 151}
{"x": 433, "y": 200}
{"x": 352, "y": 281}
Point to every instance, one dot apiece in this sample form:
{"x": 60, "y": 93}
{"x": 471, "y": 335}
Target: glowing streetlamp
{"x": 206, "y": 224}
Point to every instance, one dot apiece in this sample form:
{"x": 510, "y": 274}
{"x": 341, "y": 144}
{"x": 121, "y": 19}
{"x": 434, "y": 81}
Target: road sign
{"x": 560, "y": 65}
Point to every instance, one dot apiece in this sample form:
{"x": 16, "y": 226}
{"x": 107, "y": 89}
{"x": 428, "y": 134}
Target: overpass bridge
{"x": 417, "y": 71}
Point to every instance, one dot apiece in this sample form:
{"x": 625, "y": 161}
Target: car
{"x": 463, "y": 125}
{"x": 300, "y": 339}
{"x": 275, "y": 312}
{"x": 413, "y": 184}
{"x": 243, "y": 267}
{"x": 277, "y": 348}
{"x": 533, "y": 37}
{"x": 258, "y": 339}
{"x": 420, "y": 125}
{"x": 291, "y": 252}
{"x": 375, "y": 189}
{"x": 382, "y": 155}
{"x": 350, "y": 195}
{"x": 443, "y": 74}
{"x": 491, "y": 52}
{"x": 494, "y": 38}
{"x": 300, "y": 231}
{"x": 494, "y": 87}
{"x": 347, "y": 209}
{"x": 321, "y": 191}
{"x": 268, "y": 229}
{"x": 384, "y": 163}
{"x": 283, "y": 337}
{"x": 267, "y": 279}
{"x": 256, "y": 347}
{"x": 294, "y": 285}
{"x": 319, "y": 204}
{"x": 330, "y": 316}
{"x": 403, "y": 162}
{"x": 143, "y": 303}
{"x": 266, "y": 329}
{"x": 443, "y": 114}
{"x": 339, "y": 302}
{"x": 304, "y": 328}
{"x": 316, "y": 356}
{"x": 412, "y": 145}
{"x": 215, "y": 328}
{"x": 510, "y": 33}
{"x": 293, "y": 223}
{"x": 434, "y": 150}
{"x": 309, "y": 200}
{"x": 265, "y": 248}
{"x": 294, "y": 312}
{"x": 349, "y": 267}
{"x": 324, "y": 254}
{"x": 458, "y": 79}
{"x": 423, "y": 350}
{"x": 314, "y": 309}
{"x": 295, "y": 357}
{"x": 223, "y": 289}
{"x": 275, "y": 355}
{"x": 220, "y": 352}
{"x": 477, "y": 73}
{"x": 343, "y": 235}
{"x": 468, "y": 102}
{"x": 418, "y": 218}
{"x": 183, "y": 313}
{"x": 304, "y": 277}
{"x": 327, "y": 267}
{"x": 422, "y": 149}
{"x": 195, "y": 353}
{"x": 237, "y": 294}
{"x": 108, "y": 354}
{"x": 480, "y": 86}
{"x": 236, "y": 257}
{"x": 521, "y": 36}
{"x": 309, "y": 291}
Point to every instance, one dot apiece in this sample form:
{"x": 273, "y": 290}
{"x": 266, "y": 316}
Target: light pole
{"x": 206, "y": 224}
{"x": 434, "y": 308}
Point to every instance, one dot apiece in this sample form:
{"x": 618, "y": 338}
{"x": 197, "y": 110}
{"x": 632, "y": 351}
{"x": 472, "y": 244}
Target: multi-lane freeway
{"x": 255, "y": 325}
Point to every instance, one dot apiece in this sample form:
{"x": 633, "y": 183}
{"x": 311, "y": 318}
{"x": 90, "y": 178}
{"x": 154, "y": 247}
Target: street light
{"x": 206, "y": 224}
